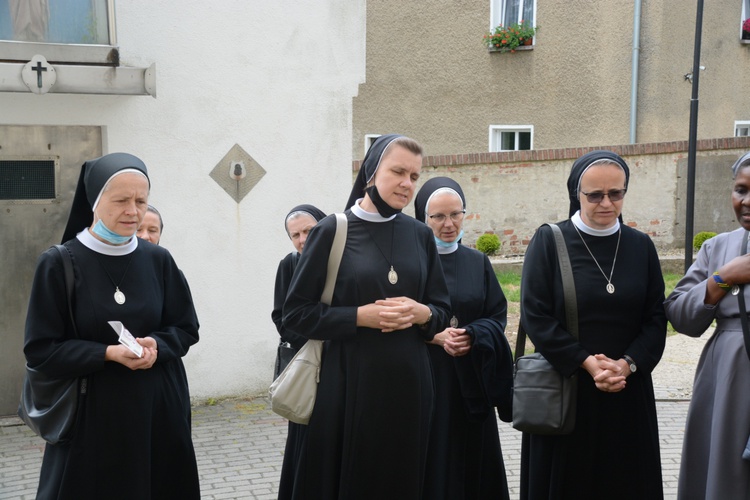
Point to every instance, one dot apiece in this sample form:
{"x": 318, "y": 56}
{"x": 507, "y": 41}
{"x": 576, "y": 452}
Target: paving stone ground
{"x": 239, "y": 443}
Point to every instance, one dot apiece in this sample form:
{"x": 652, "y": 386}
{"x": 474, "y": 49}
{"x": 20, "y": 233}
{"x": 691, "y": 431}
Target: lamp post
{"x": 690, "y": 201}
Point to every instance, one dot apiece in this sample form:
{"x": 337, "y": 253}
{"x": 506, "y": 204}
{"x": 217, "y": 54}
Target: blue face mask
{"x": 445, "y": 244}
{"x": 107, "y": 235}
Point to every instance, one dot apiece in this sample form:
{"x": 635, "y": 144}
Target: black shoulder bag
{"x": 544, "y": 400}
{"x": 49, "y": 405}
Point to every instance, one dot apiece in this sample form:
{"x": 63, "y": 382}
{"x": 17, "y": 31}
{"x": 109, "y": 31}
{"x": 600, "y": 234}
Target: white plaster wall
{"x": 277, "y": 78}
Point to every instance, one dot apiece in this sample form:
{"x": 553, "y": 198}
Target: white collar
{"x": 361, "y": 213}
{"x": 576, "y": 219}
{"x": 88, "y": 240}
{"x": 447, "y": 250}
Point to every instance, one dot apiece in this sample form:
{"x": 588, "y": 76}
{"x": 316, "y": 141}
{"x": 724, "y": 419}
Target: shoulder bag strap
{"x": 569, "y": 291}
{"x": 334, "y": 259}
{"x": 569, "y": 286}
{"x": 741, "y": 300}
{"x": 69, "y": 282}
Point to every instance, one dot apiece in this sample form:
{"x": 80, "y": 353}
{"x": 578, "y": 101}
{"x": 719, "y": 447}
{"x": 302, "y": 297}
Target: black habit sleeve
{"x": 283, "y": 279}
{"x": 49, "y": 343}
{"x": 486, "y": 374}
{"x": 179, "y": 321}
{"x": 543, "y": 307}
{"x": 303, "y": 312}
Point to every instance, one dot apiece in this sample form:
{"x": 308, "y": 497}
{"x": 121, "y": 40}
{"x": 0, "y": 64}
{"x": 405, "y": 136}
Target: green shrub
{"x": 488, "y": 243}
{"x": 699, "y": 238}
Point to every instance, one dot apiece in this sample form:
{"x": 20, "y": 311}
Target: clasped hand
{"x": 455, "y": 341}
{"x": 121, "y": 354}
{"x": 391, "y": 314}
{"x": 608, "y": 374}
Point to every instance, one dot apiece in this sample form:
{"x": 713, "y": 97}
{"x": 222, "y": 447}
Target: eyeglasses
{"x": 455, "y": 216}
{"x": 598, "y": 196}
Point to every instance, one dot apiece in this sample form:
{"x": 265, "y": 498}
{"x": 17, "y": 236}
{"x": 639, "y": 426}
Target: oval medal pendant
{"x": 119, "y": 296}
{"x": 392, "y": 276}
{"x": 454, "y": 322}
{"x": 735, "y": 290}
{"x": 610, "y": 288}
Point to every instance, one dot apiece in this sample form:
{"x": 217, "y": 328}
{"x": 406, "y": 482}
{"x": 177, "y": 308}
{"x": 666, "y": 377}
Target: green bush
{"x": 699, "y": 238}
{"x": 488, "y": 243}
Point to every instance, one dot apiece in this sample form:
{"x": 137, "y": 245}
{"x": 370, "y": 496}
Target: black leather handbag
{"x": 544, "y": 400}
{"x": 48, "y": 405}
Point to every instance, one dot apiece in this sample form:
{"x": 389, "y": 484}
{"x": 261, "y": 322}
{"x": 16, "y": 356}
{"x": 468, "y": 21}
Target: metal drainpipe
{"x": 634, "y": 76}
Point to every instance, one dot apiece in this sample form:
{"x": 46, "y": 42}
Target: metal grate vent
{"x": 27, "y": 179}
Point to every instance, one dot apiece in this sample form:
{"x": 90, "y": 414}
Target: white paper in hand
{"x": 126, "y": 338}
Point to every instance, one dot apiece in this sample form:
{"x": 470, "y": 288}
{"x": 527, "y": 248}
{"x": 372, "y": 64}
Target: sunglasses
{"x": 598, "y": 196}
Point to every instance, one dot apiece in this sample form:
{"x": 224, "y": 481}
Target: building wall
{"x": 511, "y": 194}
{"x": 434, "y": 80}
{"x": 276, "y": 79}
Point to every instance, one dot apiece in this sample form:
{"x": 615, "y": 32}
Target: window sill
{"x": 518, "y": 49}
{"x": 745, "y": 41}
{"x": 72, "y": 79}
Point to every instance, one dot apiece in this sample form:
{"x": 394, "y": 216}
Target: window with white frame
{"x": 745, "y": 17}
{"x": 369, "y": 139}
{"x": 511, "y": 137}
{"x": 742, "y": 128}
{"x": 75, "y": 31}
{"x": 507, "y": 12}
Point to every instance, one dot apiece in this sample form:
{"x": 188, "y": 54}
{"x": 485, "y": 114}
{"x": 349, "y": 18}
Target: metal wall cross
{"x": 38, "y": 75}
{"x": 39, "y": 69}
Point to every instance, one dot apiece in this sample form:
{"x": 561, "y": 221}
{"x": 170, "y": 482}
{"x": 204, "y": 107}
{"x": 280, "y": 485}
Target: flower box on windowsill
{"x": 520, "y": 47}
{"x": 525, "y": 46}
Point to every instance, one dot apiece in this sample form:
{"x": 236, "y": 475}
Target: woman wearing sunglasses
{"x": 614, "y": 450}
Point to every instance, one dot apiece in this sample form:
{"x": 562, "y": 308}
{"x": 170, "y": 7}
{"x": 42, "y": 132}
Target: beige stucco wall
{"x": 430, "y": 77}
{"x": 511, "y": 194}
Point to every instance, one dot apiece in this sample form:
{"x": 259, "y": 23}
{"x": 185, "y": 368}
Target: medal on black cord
{"x": 119, "y": 296}
{"x": 610, "y": 287}
{"x": 392, "y": 274}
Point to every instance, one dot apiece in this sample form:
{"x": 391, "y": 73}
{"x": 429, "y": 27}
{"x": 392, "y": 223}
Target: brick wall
{"x": 512, "y": 193}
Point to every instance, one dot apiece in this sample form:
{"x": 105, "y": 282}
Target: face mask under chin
{"x": 108, "y": 235}
{"x": 384, "y": 208}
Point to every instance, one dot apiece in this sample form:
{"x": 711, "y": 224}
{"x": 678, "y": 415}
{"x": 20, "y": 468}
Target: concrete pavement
{"x": 239, "y": 445}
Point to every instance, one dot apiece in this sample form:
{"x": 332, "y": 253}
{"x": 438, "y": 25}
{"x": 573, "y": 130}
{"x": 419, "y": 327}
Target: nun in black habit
{"x": 132, "y": 432}
{"x": 471, "y": 360}
{"x": 614, "y": 450}
{"x": 297, "y": 223}
{"x": 368, "y": 434}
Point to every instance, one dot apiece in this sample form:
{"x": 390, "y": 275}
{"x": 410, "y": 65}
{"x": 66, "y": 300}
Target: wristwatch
{"x": 630, "y": 362}
{"x": 424, "y": 325}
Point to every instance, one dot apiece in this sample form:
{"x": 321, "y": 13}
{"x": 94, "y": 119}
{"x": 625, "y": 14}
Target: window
{"x": 369, "y": 139}
{"x": 745, "y": 17}
{"x": 742, "y": 128}
{"x": 511, "y": 138}
{"x": 507, "y": 12}
{"x": 76, "y": 31}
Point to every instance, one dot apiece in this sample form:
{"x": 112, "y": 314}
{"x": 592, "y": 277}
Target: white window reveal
{"x": 742, "y": 128}
{"x": 369, "y": 139}
{"x": 511, "y": 137}
{"x": 507, "y": 12}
